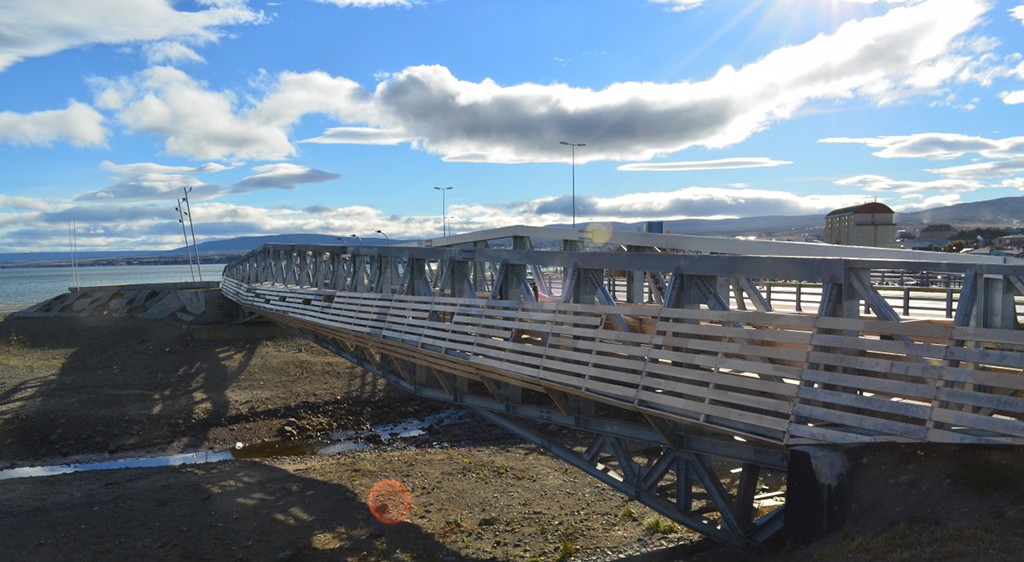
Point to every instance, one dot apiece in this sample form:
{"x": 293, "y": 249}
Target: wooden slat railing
{"x": 781, "y": 378}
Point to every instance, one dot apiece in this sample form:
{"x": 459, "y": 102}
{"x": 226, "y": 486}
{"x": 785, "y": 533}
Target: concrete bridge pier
{"x": 817, "y": 492}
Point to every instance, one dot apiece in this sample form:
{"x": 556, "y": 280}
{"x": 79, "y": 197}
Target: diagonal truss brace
{"x": 610, "y": 460}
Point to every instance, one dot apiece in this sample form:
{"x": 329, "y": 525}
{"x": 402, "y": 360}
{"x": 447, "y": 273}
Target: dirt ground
{"x": 75, "y": 390}
{"x": 78, "y": 390}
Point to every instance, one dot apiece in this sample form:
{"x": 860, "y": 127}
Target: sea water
{"x": 21, "y": 287}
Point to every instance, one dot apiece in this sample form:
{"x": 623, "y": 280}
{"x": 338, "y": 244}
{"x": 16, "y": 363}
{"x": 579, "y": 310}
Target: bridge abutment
{"x": 817, "y": 492}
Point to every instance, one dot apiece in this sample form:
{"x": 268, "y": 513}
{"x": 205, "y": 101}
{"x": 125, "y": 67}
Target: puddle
{"x": 340, "y": 442}
{"x": 168, "y": 460}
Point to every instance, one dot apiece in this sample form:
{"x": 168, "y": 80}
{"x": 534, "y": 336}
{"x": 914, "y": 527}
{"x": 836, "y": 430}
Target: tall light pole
{"x": 188, "y": 213}
{"x": 381, "y": 232}
{"x": 572, "y": 146}
{"x": 188, "y": 249}
{"x": 357, "y": 238}
{"x": 444, "y": 210}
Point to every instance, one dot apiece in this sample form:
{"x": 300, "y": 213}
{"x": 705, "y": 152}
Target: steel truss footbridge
{"x": 691, "y": 366}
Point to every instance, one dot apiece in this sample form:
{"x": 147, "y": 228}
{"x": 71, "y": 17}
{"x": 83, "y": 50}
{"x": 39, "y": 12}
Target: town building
{"x": 938, "y": 234}
{"x": 868, "y": 224}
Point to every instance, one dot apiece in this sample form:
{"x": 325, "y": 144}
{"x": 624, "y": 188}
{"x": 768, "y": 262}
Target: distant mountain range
{"x": 1006, "y": 212}
{"x": 219, "y": 248}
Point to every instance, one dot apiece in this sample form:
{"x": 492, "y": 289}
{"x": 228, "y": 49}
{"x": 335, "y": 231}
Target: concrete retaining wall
{"x": 193, "y": 303}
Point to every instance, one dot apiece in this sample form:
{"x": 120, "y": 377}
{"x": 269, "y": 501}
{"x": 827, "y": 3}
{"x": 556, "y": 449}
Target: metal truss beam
{"x": 674, "y": 477}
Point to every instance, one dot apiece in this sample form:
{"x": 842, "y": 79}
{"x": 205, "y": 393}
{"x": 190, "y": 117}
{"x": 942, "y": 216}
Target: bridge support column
{"x": 817, "y": 492}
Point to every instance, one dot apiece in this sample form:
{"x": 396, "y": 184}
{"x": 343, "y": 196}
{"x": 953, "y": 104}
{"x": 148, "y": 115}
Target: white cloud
{"x": 1009, "y": 167}
{"x": 722, "y": 164}
{"x": 369, "y": 3}
{"x": 196, "y": 122}
{"x": 1017, "y": 183}
{"x": 924, "y": 203}
{"x": 78, "y": 124}
{"x": 689, "y": 202}
{"x": 281, "y": 176}
{"x": 875, "y": 183}
{"x": 360, "y": 135}
{"x": 154, "y": 168}
{"x": 1017, "y": 12}
{"x": 294, "y": 94}
{"x": 44, "y": 27}
{"x": 200, "y": 123}
{"x": 24, "y": 203}
{"x": 880, "y": 58}
{"x": 934, "y": 146}
{"x": 1013, "y": 98}
{"x": 680, "y": 5}
{"x": 148, "y": 181}
{"x": 170, "y": 52}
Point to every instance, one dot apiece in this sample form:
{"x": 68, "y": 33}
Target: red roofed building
{"x": 868, "y": 224}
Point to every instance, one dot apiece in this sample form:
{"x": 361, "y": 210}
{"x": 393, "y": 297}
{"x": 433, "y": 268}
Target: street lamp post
{"x": 188, "y": 213}
{"x": 444, "y": 210}
{"x": 572, "y": 146}
{"x": 357, "y": 238}
{"x": 381, "y": 232}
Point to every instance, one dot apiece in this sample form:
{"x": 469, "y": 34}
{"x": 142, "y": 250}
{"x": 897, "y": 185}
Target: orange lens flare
{"x": 390, "y": 502}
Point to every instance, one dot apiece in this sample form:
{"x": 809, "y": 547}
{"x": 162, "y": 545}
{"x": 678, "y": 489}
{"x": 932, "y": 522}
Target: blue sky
{"x": 341, "y": 116}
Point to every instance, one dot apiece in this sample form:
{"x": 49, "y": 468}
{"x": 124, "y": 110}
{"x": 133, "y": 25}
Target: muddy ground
{"x": 100, "y": 388}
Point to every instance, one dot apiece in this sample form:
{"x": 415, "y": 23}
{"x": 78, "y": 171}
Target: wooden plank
{"x": 914, "y": 330}
{"x": 878, "y": 425}
{"x": 819, "y": 434}
{"x": 893, "y": 347}
{"x": 884, "y": 366}
{"x": 852, "y": 400}
{"x": 748, "y": 401}
{"x": 1000, "y": 402}
{"x": 874, "y": 384}
{"x": 1012, "y": 428}
{"x": 989, "y": 336}
{"x": 709, "y": 346}
{"x": 760, "y": 420}
{"x": 658, "y": 357}
{"x": 1009, "y": 381}
{"x": 1010, "y": 359}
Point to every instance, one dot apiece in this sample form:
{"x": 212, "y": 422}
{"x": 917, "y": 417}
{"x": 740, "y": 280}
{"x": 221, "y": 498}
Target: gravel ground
{"x": 100, "y": 389}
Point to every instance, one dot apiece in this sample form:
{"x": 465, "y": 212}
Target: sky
{"x": 345, "y": 116}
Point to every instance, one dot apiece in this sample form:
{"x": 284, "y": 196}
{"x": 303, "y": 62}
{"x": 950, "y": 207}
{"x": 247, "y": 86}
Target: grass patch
{"x": 566, "y": 549}
{"x": 923, "y": 539}
{"x": 990, "y": 478}
{"x": 660, "y": 525}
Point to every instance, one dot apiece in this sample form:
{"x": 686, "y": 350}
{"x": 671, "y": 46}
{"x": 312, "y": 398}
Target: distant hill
{"x": 214, "y": 248}
{"x": 245, "y": 244}
{"x": 1004, "y": 212}
{"x": 64, "y": 258}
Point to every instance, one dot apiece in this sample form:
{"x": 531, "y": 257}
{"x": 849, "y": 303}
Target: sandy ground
{"x": 97, "y": 389}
